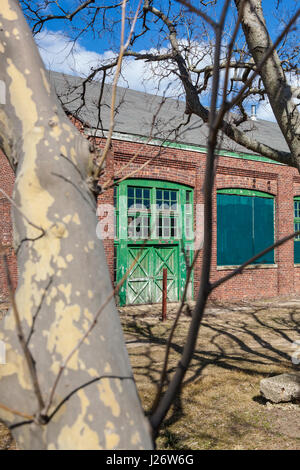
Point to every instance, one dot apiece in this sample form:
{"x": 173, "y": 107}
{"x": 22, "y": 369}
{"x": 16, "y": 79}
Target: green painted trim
{"x": 244, "y": 192}
{"x": 224, "y": 153}
{"x": 154, "y": 183}
{"x": 192, "y": 148}
{"x": 296, "y": 221}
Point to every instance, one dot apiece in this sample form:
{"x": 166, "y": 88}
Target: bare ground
{"x": 220, "y": 406}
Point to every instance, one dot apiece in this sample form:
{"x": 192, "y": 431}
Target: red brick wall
{"x": 6, "y": 184}
{"x": 187, "y": 167}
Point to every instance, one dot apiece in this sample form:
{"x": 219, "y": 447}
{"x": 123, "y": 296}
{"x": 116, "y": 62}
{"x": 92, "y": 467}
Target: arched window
{"x": 245, "y": 226}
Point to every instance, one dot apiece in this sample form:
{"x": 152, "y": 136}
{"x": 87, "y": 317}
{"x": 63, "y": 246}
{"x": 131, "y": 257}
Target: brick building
{"x": 159, "y": 206}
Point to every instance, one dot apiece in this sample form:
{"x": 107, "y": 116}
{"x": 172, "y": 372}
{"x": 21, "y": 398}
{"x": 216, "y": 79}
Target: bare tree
{"x": 253, "y": 68}
{"x": 81, "y": 397}
{"x": 63, "y": 277}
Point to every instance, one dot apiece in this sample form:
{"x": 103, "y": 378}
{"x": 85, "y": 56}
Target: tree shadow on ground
{"x": 254, "y": 340}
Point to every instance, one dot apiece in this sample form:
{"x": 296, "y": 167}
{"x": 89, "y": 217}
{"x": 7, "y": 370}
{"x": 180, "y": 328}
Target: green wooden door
{"x": 145, "y": 280}
{"x": 139, "y": 279}
{"x": 165, "y": 257}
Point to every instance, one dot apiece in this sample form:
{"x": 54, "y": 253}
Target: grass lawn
{"x": 220, "y": 406}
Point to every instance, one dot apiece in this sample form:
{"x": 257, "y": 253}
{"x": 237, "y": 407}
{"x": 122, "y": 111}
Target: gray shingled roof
{"x": 135, "y": 111}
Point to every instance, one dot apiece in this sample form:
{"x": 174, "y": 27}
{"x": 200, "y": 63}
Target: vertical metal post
{"x": 164, "y": 294}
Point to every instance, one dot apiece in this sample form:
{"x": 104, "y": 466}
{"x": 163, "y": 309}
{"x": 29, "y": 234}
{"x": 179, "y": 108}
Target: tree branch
{"x": 27, "y": 354}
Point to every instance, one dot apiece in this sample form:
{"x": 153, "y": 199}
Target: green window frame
{"x": 168, "y": 219}
{"x": 245, "y": 226}
{"x": 296, "y": 228}
{"x": 116, "y": 212}
{"x": 155, "y": 209}
{"x": 167, "y": 213}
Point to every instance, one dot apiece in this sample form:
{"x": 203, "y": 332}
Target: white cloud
{"x": 264, "y": 111}
{"x": 61, "y": 55}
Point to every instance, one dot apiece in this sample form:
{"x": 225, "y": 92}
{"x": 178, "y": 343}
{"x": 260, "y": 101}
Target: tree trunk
{"x": 279, "y": 91}
{"x": 63, "y": 277}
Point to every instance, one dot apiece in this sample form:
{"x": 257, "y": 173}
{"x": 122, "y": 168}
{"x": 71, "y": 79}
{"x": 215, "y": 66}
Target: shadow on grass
{"x": 256, "y": 342}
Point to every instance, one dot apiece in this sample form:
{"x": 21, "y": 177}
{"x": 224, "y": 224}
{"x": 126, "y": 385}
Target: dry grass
{"x": 220, "y": 406}
{"x": 6, "y": 440}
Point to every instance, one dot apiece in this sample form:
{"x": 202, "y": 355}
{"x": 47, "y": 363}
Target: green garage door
{"x": 245, "y": 226}
{"x": 145, "y": 280}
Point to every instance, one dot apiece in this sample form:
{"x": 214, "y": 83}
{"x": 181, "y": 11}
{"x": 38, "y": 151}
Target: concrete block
{"x": 281, "y": 388}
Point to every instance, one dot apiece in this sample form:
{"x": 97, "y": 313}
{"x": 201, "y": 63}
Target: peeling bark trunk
{"x": 273, "y": 77}
{"x": 63, "y": 277}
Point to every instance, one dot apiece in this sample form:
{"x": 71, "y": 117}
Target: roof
{"x": 135, "y": 111}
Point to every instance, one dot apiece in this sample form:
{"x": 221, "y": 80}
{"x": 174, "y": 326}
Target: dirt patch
{"x": 285, "y": 418}
{"x": 6, "y": 440}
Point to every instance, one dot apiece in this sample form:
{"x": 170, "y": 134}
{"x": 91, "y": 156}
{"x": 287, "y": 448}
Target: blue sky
{"x": 272, "y": 14}
{"x": 90, "y": 50}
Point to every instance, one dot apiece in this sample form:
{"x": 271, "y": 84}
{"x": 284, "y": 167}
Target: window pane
{"x": 138, "y": 198}
{"x": 130, "y": 192}
{"x": 147, "y": 203}
{"x": 297, "y": 209}
{"x": 138, "y": 226}
{"x": 188, "y": 226}
{"x": 116, "y": 224}
{"x": 166, "y": 227}
{"x": 130, "y": 202}
{"x": 138, "y": 203}
{"x": 115, "y": 196}
{"x": 174, "y": 227}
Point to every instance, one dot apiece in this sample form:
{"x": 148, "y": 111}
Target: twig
{"x": 86, "y": 334}
{"x": 123, "y": 48}
{"x": 230, "y": 48}
{"x": 15, "y": 412}
{"x": 21, "y": 212}
{"x": 168, "y": 398}
{"x": 27, "y": 354}
{"x": 169, "y": 342}
{"x": 37, "y": 311}
{"x": 199, "y": 12}
{"x": 252, "y": 260}
{"x": 109, "y": 184}
{"x": 64, "y": 400}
